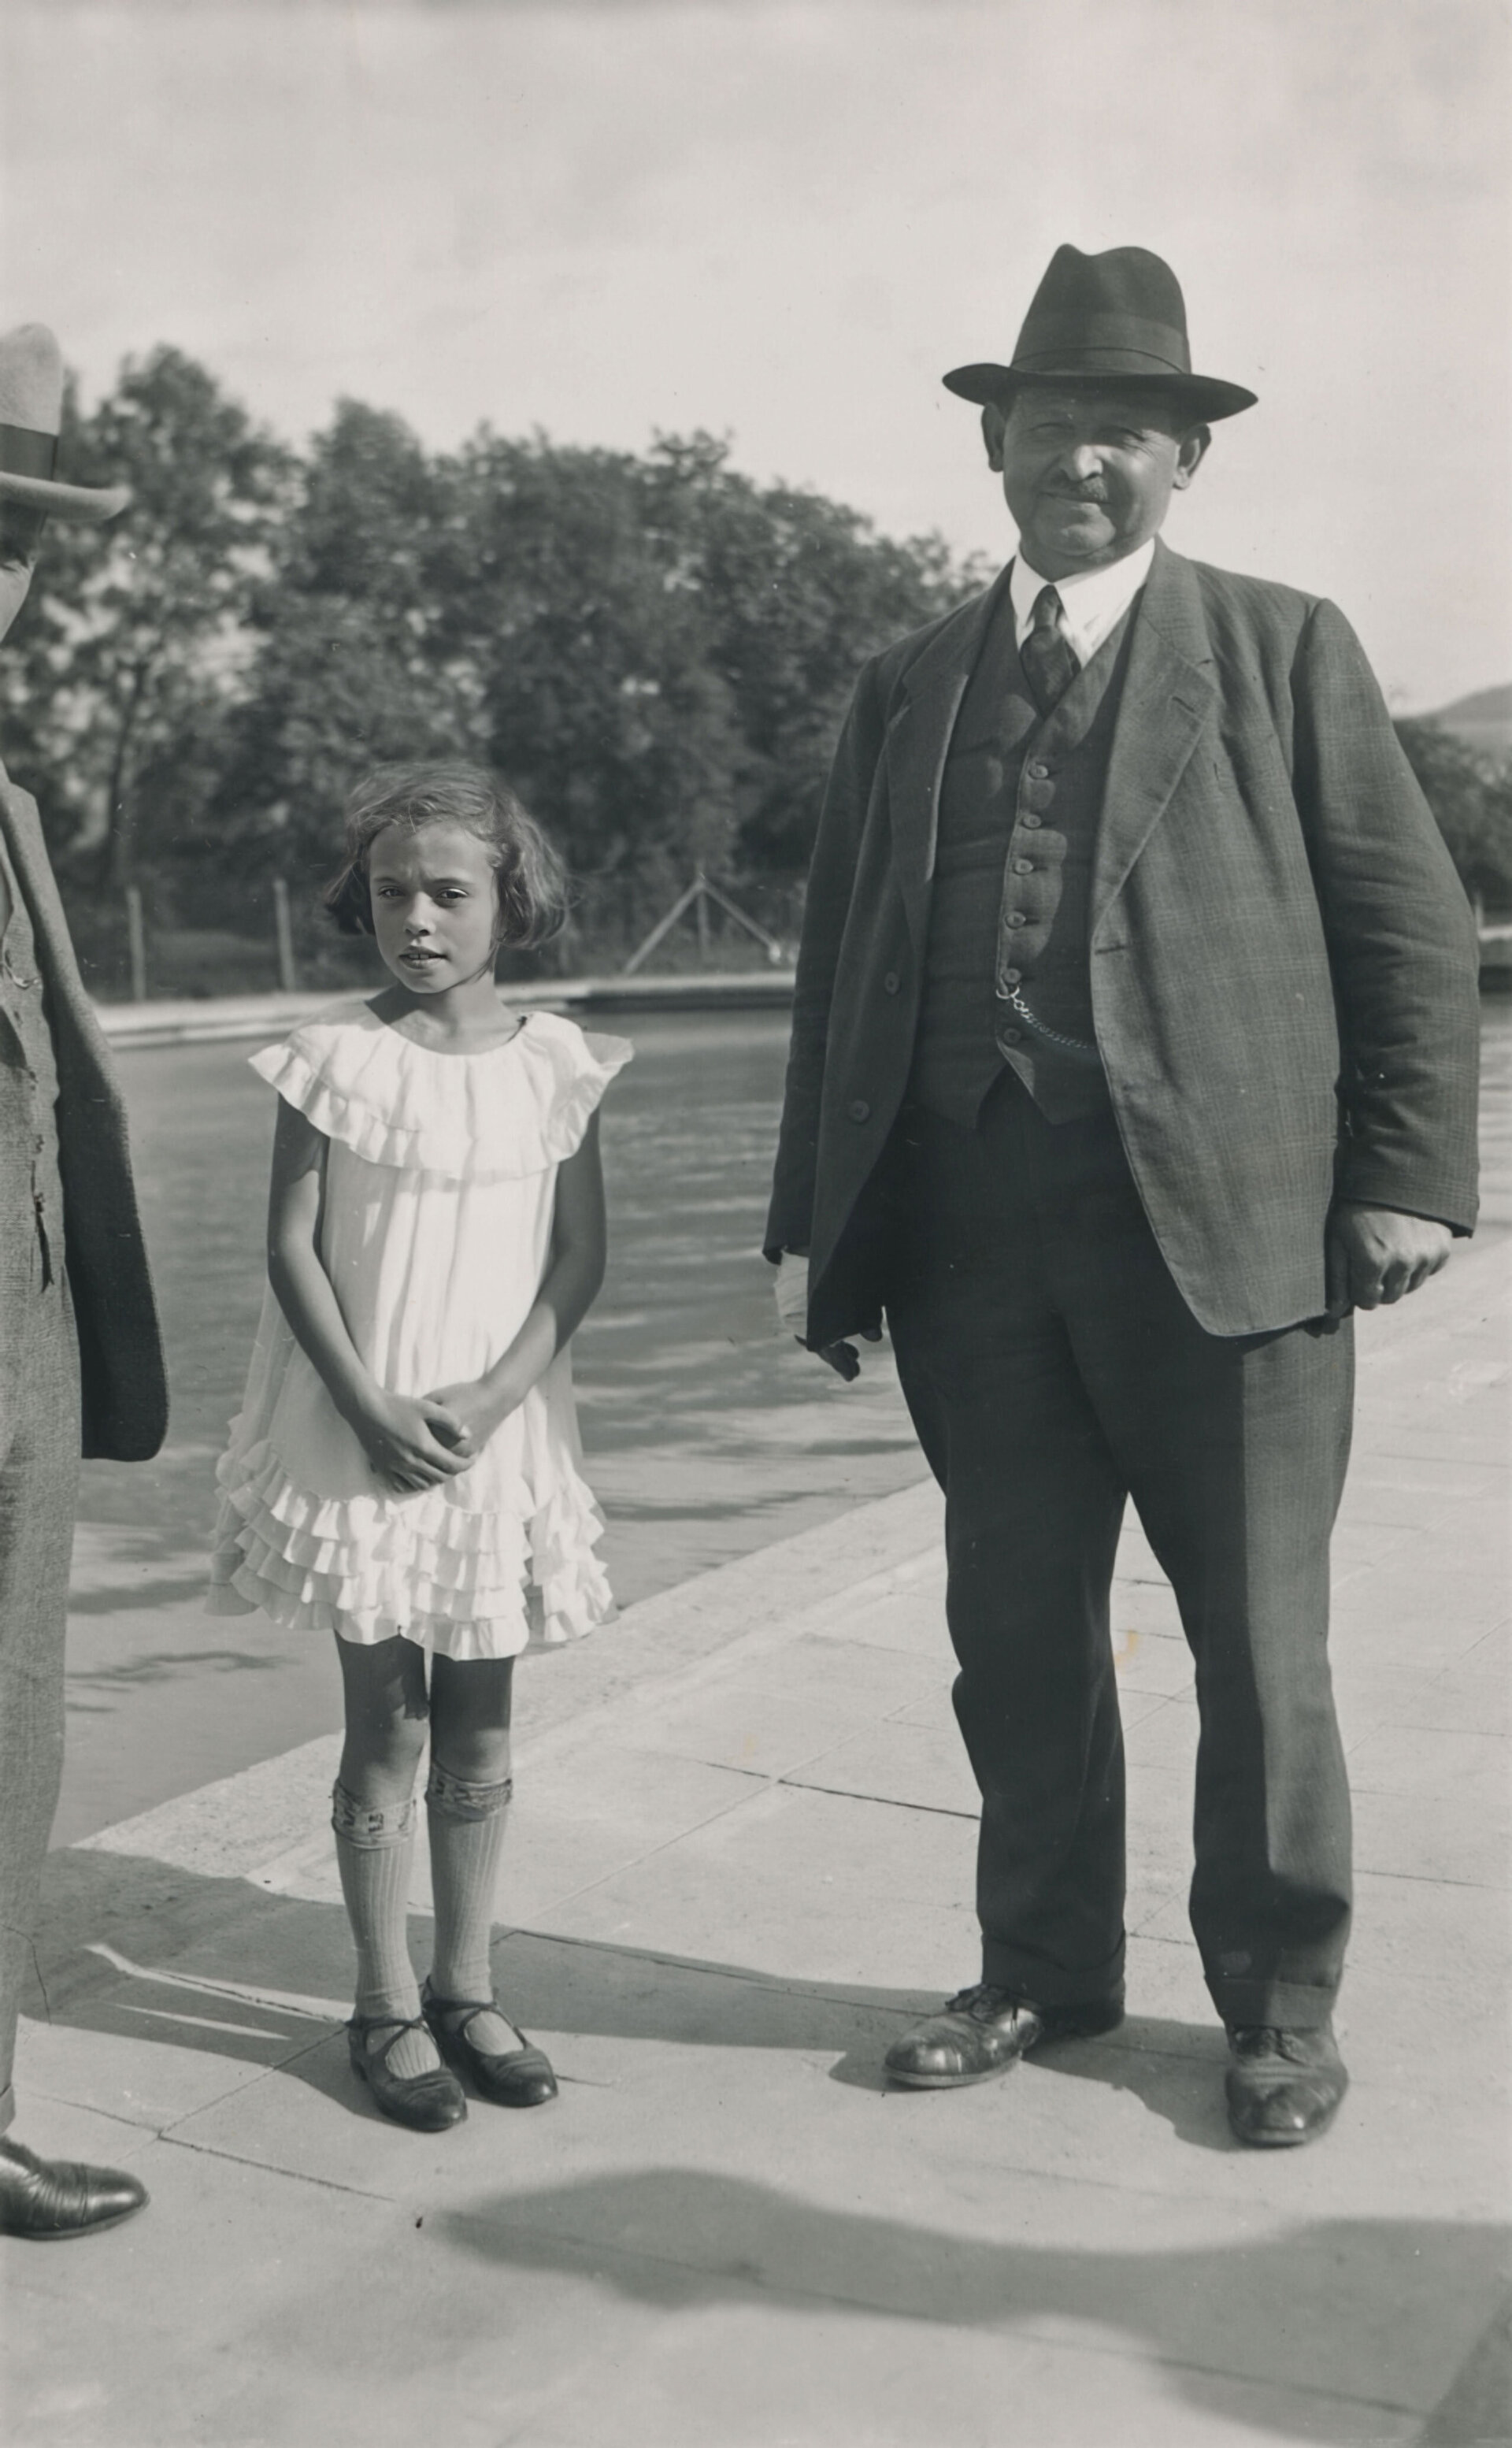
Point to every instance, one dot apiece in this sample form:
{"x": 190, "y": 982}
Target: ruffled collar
{"x": 508, "y": 1110}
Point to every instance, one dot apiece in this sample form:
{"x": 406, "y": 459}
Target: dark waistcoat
{"x": 1019, "y": 803}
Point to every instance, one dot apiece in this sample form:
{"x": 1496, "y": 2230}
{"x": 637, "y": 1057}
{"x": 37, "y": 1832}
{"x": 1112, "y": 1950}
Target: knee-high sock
{"x": 374, "y": 1855}
{"x": 467, "y": 1828}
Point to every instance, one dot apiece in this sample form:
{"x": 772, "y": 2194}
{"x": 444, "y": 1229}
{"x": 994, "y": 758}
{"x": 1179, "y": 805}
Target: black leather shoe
{"x": 53, "y": 2199}
{"x": 428, "y": 2102}
{"x": 1282, "y": 2087}
{"x": 519, "y": 2077}
{"x": 984, "y": 2031}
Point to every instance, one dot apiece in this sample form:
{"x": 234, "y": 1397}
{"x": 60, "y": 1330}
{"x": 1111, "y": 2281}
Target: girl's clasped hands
{"x": 414, "y": 1440}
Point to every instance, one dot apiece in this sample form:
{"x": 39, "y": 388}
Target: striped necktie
{"x": 1047, "y": 655}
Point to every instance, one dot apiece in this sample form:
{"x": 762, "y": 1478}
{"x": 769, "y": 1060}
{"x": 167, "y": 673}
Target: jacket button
{"x": 858, "y": 1109}
{"x": 892, "y": 982}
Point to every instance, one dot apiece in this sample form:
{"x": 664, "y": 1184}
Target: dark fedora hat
{"x": 1118, "y": 317}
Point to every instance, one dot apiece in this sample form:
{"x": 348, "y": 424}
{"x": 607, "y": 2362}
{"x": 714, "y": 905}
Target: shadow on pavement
{"x": 164, "y": 1665}
{"x": 1175, "y": 2070}
{"x": 1321, "y": 2315}
{"x": 129, "y": 1597}
{"x": 1319, "y": 2304}
{"x": 138, "y": 1948}
{"x": 116, "y": 1927}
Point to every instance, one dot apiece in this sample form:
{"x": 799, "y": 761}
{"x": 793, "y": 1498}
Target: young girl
{"x": 404, "y": 1471}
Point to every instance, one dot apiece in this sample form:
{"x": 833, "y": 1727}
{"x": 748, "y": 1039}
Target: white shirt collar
{"x": 1094, "y": 602}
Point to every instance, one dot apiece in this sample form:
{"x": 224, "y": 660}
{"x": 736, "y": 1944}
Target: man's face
{"x": 1089, "y": 474}
{"x": 20, "y": 536}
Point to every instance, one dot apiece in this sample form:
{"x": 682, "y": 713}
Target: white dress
{"x": 435, "y": 1233}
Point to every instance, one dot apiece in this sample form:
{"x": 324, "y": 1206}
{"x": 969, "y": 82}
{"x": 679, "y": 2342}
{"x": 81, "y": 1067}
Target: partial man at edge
{"x": 81, "y": 1363}
{"x": 1135, "y": 1045}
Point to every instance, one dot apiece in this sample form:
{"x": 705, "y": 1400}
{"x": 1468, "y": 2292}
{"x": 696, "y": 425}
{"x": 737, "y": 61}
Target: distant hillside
{"x": 1484, "y": 722}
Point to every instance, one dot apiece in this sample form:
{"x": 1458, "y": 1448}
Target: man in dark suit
{"x": 80, "y": 1365}
{"x": 1135, "y": 1041}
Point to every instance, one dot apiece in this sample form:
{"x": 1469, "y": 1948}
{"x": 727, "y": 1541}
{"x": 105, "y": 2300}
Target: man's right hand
{"x": 792, "y": 1291}
{"x": 844, "y": 1358}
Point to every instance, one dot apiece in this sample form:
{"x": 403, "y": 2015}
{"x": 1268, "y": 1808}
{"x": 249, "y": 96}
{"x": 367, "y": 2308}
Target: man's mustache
{"x": 1093, "y": 492}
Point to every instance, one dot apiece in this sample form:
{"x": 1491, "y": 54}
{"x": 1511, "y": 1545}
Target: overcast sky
{"x": 780, "y": 220}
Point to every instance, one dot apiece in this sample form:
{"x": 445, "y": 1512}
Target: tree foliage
{"x": 135, "y": 643}
{"x": 654, "y": 649}
{"x": 1471, "y": 799}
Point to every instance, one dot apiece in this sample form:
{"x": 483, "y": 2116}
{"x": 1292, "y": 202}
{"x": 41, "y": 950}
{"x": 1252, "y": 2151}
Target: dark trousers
{"x": 1052, "y": 1369}
{"x": 39, "y": 1479}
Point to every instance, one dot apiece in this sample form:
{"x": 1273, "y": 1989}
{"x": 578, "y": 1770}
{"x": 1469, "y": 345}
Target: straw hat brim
{"x": 79, "y": 505}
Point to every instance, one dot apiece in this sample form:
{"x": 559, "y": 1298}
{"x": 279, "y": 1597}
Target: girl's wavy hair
{"x": 533, "y": 893}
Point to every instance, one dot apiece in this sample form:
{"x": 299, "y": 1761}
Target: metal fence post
{"x": 137, "y": 944}
{"x": 288, "y": 974}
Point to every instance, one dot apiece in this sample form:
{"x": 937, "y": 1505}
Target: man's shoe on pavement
{"x": 984, "y": 2031}
{"x": 1282, "y": 2087}
{"x": 53, "y": 2199}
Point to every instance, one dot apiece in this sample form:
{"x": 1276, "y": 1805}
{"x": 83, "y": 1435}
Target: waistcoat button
{"x": 1010, "y": 1035}
{"x": 858, "y": 1109}
{"x": 1030, "y": 824}
{"x": 1024, "y": 867}
{"x": 1011, "y": 977}
{"x": 1017, "y": 918}
{"x": 1038, "y": 772}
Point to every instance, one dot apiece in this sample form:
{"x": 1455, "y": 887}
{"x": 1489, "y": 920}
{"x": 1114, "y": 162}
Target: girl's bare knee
{"x": 480, "y": 1757}
{"x": 387, "y": 1717}
{"x": 379, "y": 1759}
{"x": 470, "y": 1708}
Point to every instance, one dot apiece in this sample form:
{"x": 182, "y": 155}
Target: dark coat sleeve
{"x": 123, "y": 1384}
{"x": 827, "y": 908}
{"x": 1401, "y": 940}
{"x": 123, "y": 1381}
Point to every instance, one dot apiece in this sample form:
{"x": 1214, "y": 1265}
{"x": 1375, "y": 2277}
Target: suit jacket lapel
{"x": 1169, "y": 691}
{"x": 917, "y": 742}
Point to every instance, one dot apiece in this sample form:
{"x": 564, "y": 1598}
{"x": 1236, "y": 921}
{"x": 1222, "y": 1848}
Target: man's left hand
{"x": 1376, "y": 1255}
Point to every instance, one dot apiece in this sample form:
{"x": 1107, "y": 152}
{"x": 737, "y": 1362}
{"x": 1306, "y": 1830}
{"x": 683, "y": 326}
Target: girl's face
{"x": 436, "y": 905}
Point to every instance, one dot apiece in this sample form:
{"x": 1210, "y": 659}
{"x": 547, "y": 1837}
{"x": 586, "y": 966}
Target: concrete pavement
{"x": 743, "y": 1861}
